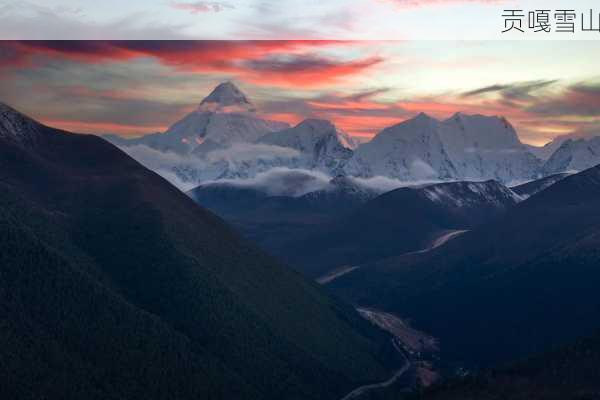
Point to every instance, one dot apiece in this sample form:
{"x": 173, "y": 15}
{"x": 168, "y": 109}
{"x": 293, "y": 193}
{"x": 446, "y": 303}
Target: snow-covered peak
{"x": 311, "y": 135}
{"x": 223, "y": 118}
{"x": 320, "y": 145}
{"x": 546, "y": 151}
{"x": 486, "y": 132}
{"x": 418, "y": 126}
{"x": 423, "y": 118}
{"x": 16, "y": 126}
{"x": 473, "y": 147}
{"x": 410, "y": 150}
{"x": 226, "y": 97}
{"x": 317, "y": 125}
{"x": 574, "y": 155}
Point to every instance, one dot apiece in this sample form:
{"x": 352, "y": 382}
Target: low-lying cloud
{"x": 282, "y": 182}
{"x": 163, "y": 162}
{"x": 384, "y": 184}
{"x": 297, "y": 182}
{"x": 276, "y": 181}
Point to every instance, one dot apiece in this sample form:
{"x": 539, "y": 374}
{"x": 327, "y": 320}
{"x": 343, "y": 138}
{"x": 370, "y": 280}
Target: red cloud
{"x": 302, "y": 71}
{"x": 363, "y": 115}
{"x": 278, "y": 63}
{"x": 358, "y": 115}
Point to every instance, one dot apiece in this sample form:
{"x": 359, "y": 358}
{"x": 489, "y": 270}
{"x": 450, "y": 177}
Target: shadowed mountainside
{"x": 115, "y": 285}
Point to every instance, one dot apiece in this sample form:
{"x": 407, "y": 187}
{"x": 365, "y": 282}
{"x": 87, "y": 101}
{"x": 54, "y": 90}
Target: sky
{"x": 275, "y": 19}
{"x": 130, "y": 88}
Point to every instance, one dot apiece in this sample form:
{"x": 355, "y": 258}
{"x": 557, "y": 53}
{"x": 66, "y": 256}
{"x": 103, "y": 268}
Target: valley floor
{"x": 441, "y": 240}
{"x": 413, "y": 340}
{"x": 346, "y": 269}
{"x": 361, "y": 390}
{"x": 336, "y": 273}
{"x": 411, "y": 344}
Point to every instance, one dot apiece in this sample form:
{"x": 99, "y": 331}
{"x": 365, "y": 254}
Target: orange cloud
{"x": 304, "y": 72}
{"x": 290, "y": 63}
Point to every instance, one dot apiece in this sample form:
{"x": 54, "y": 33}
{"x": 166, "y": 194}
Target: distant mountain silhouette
{"x": 511, "y": 287}
{"x": 401, "y": 221}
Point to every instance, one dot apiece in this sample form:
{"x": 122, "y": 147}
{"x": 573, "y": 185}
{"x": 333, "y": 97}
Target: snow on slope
{"x": 528, "y": 189}
{"x": 225, "y": 116}
{"x": 482, "y": 147}
{"x": 473, "y": 147}
{"x": 411, "y": 150}
{"x": 321, "y": 145}
{"x": 574, "y": 155}
{"x": 545, "y": 152}
{"x": 16, "y": 126}
{"x": 462, "y": 194}
{"x": 226, "y": 97}
{"x": 313, "y": 144}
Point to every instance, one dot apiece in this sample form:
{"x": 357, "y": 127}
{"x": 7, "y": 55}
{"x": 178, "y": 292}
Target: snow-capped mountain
{"x": 574, "y": 155}
{"x": 471, "y": 147}
{"x": 225, "y": 139}
{"x": 483, "y": 147}
{"x": 410, "y": 150}
{"x": 225, "y": 116}
{"x": 313, "y": 144}
{"x": 320, "y": 144}
{"x": 400, "y": 221}
{"x": 546, "y": 151}
{"x": 226, "y": 97}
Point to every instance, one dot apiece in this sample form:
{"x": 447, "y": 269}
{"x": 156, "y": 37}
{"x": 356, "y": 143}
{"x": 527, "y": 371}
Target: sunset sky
{"x": 130, "y": 88}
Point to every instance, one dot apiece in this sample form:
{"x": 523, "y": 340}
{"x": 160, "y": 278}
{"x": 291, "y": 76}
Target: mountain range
{"x": 574, "y": 155}
{"x": 508, "y": 288}
{"x": 114, "y": 284}
{"x": 321, "y": 145}
{"x": 225, "y": 138}
{"x": 465, "y": 147}
{"x": 347, "y": 223}
{"x": 224, "y": 117}
{"x": 275, "y": 219}
{"x": 530, "y": 188}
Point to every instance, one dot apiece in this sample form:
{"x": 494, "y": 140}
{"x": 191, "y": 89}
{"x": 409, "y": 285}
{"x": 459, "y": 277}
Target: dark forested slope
{"x": 507, "y": 289}
{"x": 113, "y": 284}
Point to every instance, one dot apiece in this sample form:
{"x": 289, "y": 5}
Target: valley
{"x": 360, "y": 391}
{"x": 411, "y": 339}
{"x": 238, "y": 256}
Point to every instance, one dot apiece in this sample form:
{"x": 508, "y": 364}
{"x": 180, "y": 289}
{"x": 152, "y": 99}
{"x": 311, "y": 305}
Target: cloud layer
{"x": 282, "y": 182}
